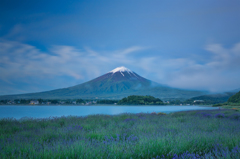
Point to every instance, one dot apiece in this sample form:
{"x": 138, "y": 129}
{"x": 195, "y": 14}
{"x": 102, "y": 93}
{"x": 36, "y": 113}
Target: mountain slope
{"x": 118, "y": 83}
{"x": 235, "y": 98}
{"x": 235, "y": 90}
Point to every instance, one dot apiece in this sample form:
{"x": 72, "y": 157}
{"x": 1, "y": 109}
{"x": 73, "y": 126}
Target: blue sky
{"x": 186, "y": 44}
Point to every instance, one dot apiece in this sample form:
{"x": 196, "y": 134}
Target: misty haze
{"x": 120, "y": 79}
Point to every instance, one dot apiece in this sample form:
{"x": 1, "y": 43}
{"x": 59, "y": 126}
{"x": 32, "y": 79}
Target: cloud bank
{"x": 26, "y": 63}
{"x": 219, "y": 72}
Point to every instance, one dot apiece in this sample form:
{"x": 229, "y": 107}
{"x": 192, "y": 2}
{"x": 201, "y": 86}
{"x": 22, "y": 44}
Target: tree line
{"x": 140, "y": 100}
{"x": 235, "y": 98}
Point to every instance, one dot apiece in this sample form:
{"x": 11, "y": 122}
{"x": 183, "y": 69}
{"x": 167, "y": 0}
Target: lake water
{"x": 58, "y": 111}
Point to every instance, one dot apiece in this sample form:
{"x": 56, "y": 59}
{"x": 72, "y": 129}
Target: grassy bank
{"x": 236, "y": 107}
{"x": 228, "y": 105}
{"x": 200, "y": 134}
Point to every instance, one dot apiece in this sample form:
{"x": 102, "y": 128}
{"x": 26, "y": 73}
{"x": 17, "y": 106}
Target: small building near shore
{"x": 74, "y": 102}
{"x": 199, "y": 101}
{"x": 33, "y": 102}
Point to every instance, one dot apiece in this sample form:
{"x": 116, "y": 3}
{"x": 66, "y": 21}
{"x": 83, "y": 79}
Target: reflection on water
{"x": 48, "y": 111}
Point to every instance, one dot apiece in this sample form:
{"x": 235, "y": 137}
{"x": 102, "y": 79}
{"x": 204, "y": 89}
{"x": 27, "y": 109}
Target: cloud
{"x": 22, "y": 60}
{"x": 219, "y": 73}
{"x": 26, "y": 63}
{"x": 224, "y": 59}
{"x": 131, "y": 50}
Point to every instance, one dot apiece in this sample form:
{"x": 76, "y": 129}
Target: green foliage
{"x": 140, "y": 100}
{"x": 232, "y": 101}
{"x": 175, "y": 102}
{"x": 79, "y": 101}
{"x": 61, "y": 123}
{"x": 40, "y": 100}
{"x": 220, "y": 104}
{"x": 25, "y": 101}
{"x": 106, "y": 101}
{"x": 3, "y": 101}
{"x": 53, "y": 101}
{"x": 235, "y": 98}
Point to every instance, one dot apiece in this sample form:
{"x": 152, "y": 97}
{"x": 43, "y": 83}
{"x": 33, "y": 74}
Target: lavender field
{"x": 192, "y": 134}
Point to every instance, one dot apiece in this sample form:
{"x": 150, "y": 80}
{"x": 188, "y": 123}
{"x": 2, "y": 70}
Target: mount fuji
{"x": 116, "y": 84}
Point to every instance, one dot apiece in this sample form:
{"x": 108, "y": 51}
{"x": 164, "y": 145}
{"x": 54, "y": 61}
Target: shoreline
{"x": 101, "y": 105}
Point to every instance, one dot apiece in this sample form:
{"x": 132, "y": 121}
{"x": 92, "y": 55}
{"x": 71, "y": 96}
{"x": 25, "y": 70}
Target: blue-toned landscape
{"x": 191, "y": 134}
{"x": 119, "y": 79}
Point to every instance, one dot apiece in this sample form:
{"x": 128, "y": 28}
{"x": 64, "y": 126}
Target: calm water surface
{"x": 18, "y": 112}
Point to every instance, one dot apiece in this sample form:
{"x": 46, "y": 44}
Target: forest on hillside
{"x": 140, "y": 100}
{"x": 235, "y": 98}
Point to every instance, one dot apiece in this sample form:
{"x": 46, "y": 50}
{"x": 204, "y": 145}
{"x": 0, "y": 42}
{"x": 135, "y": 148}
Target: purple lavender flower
{"x": 79, "y": 127}
{"x": 206, "y": 115}
{"x": 235, "y": 116}
{"x": 220, "y": 115}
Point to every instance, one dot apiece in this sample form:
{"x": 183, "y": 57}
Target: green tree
{"x": 235, "y": 98}
{"x": 140, "y": 100}
{"x": 79, "y": 101}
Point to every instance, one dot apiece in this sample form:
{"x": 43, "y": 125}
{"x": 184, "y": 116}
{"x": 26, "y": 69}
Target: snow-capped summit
{"x": 118, "y": 83}
{"x": 121, "y": 69}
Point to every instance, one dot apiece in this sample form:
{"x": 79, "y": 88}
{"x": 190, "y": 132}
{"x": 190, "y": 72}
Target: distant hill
{"x": 116, "y": 84}
{"x": 235, "y": 98}
{"x": 235, "y": 90}
{"x": 212, "y": 98}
